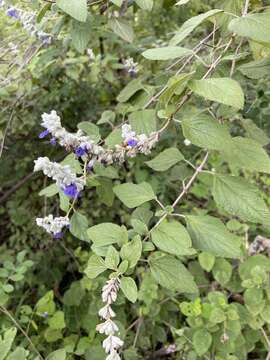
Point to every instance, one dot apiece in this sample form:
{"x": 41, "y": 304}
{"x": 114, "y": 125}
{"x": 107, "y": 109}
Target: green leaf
{"x": 91, "y": 130}
{"x": 191, "y": 24}
{"x": 106, "y": 171}
{"x": 129, "y": 90}
{"x": 114, "y": 138}
{"x": 222, "y": 90}
{"x": 95, "y": 266}
{"x": 222, "y": 271}
{"x": 254, "y": 300}
{"x": 78, "y": 226}
{"x": 107, "y": 234}
{"x": 176, "y": 85}
{"x": 49, "y": 191}
{"x": 57, "y": 322}
{"x": 18, "y": 354}
{"x": 210, "y": 234}
{"x": 238, "y": 197}
{"x": 254, "y": 132}
{"x": 122, "y": 29}
{"x": 172, "y": 237}
{"x": 165, "y": 159}
{"x": 247, "y": 154}
{"x": 129, "y": 288}
{"x": 143, "y": 121}
{"x": 6, "y": 342}
{"x": 80, "y": 35}
{"x": 133, "y": 195}
{"x": 256, "y": 69}
{"x": 105, "y": 192}
{"x": 46, "y": 304}
{"x": 206, "y": 261}
{"x": 77, "y": 9}
{"x": 112, "y": 258}
{"x": 58, "y": 354}
{"x": 131, "y": 251}
{"x": 205, "y": 131}
{"x": 201, "y": 341}
{"x": 145, "y": 4}
{"x": 253, "y": 26}
{"x": 107, "y": 117}
{"x": 166, "y": 53}
{"x": 172, "y": 274}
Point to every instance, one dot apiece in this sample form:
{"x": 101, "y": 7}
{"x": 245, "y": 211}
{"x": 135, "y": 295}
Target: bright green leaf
{"x": 172, "y": 237}
{"x": 238, "y": 197}
{"x": 222, "y": 90}
{"x": 133, "y": 195}
{"x": 78, "y": 226}
{"x": 165, "y": 159}
{"x": 95, "y": 266}
{"x": 191, "y": 24}
{"x": 166, "y": 53}
{"x": 129, "y": 288}
{"x": 210, "y": 234}
{"x": 77, "y": 9}
{"x": 107, "y": 234}
{"x": 205, "y": 131}
{"x": 172, "y": 274}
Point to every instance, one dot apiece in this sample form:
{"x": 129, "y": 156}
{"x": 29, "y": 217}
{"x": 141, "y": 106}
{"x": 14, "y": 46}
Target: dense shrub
{"x": 134, "y": 179}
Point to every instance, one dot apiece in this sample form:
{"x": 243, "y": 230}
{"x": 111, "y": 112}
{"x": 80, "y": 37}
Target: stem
{"x": 7, "y": 313}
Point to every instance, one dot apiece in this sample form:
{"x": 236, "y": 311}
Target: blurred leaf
{"x": 166, "y": 53}
{"x": 121, "y": 28}
{"x": 77, "y": 9}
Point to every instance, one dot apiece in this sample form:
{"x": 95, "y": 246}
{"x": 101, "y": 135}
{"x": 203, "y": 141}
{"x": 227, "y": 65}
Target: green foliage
{"x": 181, "y": 226}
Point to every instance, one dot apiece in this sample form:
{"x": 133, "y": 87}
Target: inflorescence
{"x": 112, "y": 343}
{"x": 83, "y": 147}
{"x": 28, "y": 21}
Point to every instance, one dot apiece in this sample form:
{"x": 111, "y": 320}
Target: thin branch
{"x": 7, "y": 313}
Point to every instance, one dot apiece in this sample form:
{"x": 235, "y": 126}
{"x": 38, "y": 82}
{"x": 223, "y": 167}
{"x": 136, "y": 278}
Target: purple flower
{"x": 58, "y": 235}
{"x": 53, "y": 141}
{"x": 13, "y": 12}
{"x": 80, "y": 151}
{"x": 132, "y": 142}
{"x": 43, "y": 134}
{"x": 71, "y": 191}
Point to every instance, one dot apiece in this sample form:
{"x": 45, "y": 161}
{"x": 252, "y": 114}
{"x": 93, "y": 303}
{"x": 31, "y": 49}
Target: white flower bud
{"x": 107, "y": 328}
{"x": 112, "y": 343}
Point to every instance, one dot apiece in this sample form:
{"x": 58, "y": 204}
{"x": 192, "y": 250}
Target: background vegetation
{"x": 49, "y": 298}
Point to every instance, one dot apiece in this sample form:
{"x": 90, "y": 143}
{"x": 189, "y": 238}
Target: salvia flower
{"x": 130, "y": 66}
{"x": 113, "y": 356}
{"x": 28, "y": 22}
{"x": 62, "y": 174}
{"x": 13, "y": 12}
{"x": 138, "y": 143}
{"x": 71, "y": 191}
{"x": 53, "y": 225}
{"x": 112, "y": 343}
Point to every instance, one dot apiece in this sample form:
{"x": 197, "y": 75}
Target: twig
{"x": 7, "y": 313}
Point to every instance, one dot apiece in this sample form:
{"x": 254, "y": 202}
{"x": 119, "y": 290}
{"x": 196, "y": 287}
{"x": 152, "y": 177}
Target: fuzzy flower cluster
{"x": 63, "y": 175}
{"x": 28, "y": 21}
{"x": 53, "y": 225}
{"x": 138, "y": 143}
{"x": 112, "y": 343}
{"x": 83, "y": 145}
{"x": 130, "y": 66}
{"x": 77, "y": 141}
